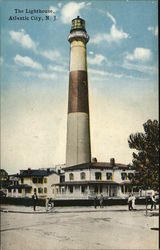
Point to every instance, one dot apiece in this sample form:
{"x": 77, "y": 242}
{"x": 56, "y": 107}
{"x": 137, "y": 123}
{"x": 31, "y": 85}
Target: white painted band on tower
{"x": 78, "y": 56}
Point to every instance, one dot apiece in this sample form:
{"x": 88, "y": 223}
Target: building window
{"x": 62, "y": 178}
{"x": 45, "y": 190}
{"x": 136, "y": 189}
{"x": 96, "y": 189}
{"x": 71, "y": 177}
{"x": 83, "y": 189}
{"x": 130, "y": 176}
{"x": 122, "y": 189}
{"x": 40, "y": 190}
{"x": 83, "y": 176}
{"x": 40, "y": 180}
{"x": 45, "y": 180}
{"x": 98, "y": 176}
{"x": 71, "y": 189}
{"x": 19, "y": 190}
{"x": 124, "y": 176}
{"x": 34, "y": 180}
{"x": 109, "y": 176}
{"x": 53, "y": 190}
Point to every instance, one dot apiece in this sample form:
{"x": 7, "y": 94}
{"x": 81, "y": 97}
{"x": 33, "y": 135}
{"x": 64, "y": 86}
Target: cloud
{"x": 98, "y": 59}
{"x": 154, "y": 30}
{"x": 47, "y": 76}
{"x": 23, "y": 39}
{"x": 139, "y": 54}
{"x": 27, "y": 62}
{"x": 53, "y": 9}
{"x": 111, "y": 17}
{"x": 71, "y": 10}
{"x": 115, "y": 34}
{"x": 52, "y": 55}
{"x": 1, "y": 60}
{"x": 41, "y": 75}
{"x": 57, "y": 68}
{"x": 59, "y": 5}
{"x": 32, "y": 128}
{"x": 139, "y": 67}
{"x": 91, "y": 52}
{"x": 102, "y": 73}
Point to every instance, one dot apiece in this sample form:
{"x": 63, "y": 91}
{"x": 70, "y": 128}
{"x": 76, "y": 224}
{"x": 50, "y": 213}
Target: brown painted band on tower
{"x": 78, "y": 92}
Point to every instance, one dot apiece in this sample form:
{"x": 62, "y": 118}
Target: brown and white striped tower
{"x": 78, "y": 149}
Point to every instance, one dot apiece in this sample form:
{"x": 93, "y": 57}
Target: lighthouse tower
{"x": 78, "y": 149}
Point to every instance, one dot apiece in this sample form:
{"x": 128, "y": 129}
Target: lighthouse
{"x": 78, "y": 149}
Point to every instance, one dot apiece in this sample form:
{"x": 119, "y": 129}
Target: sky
{"x": 122, "y": 56}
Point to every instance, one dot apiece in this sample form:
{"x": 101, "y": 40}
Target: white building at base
{"x": 86, "y": 180}
{"x": 33, "y": 180}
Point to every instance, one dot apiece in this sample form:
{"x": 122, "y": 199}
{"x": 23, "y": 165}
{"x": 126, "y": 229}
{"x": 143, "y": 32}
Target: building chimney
{"x": 112, "y": 161}
{"x": 94, "y": 159}
{"x": 78, "y": 148}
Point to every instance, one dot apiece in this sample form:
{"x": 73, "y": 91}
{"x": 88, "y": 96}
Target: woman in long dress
{"x": 133, "y": 201}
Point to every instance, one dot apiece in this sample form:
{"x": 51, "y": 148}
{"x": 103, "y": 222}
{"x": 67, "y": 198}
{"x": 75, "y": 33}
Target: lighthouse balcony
{"x": 78, "y": 35}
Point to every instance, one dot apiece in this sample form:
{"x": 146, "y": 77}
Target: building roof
{"x": 3, "y": 172}
{"x": 97, "y": 165}
{"x": 20, "y": 186}
{"x": 84, "y": 183}
{"x": 36, "y": 173}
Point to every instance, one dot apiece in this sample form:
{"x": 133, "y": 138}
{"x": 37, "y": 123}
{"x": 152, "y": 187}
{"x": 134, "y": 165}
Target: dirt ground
{"x": 78, "y": 228}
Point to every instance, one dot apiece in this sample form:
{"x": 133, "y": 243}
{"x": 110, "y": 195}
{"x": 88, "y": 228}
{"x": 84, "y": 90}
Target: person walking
{"x": 153, "y": 202}
{"x": 34, "y": 198}
{"x": 47, "y": 204}
{"x": 133, "y": 201}
{"x": 95, "y": 201}
{"x": 130, "y": 202}
{"x": 101, "y": 201}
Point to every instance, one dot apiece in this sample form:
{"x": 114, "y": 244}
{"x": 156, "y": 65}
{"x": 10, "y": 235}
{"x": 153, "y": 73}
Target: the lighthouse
{"x": 78, "y": 149}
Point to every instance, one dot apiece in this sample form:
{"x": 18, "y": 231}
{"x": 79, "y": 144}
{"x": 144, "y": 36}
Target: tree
{"x": 146, "y": 158}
